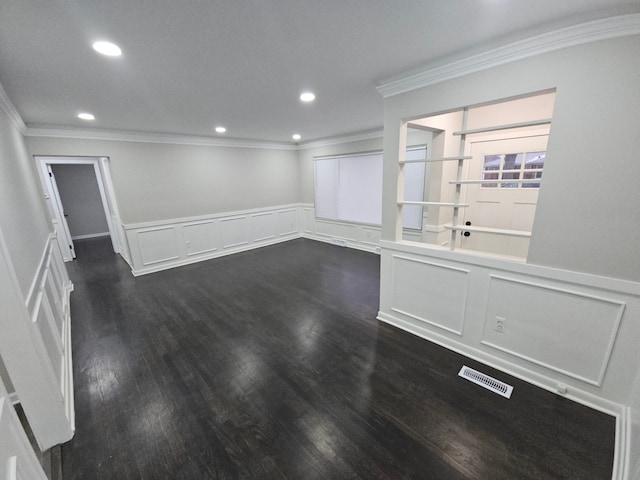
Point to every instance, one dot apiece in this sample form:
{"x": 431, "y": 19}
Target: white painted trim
{"x": 425, "y": 320}
{"x": 604, "y": 29}
{"x": 7, "y": 107}
{"x": 141, "y": 137}
{"x": 41, "y": 267}
{"x": 204, "y": 218}
{"x": 105, "y": 189}
{"x": 355, "y": 246}
{"x": 91, "y": 235}
{"x": 176, "y": 139}
{"x": 510, "y": 265}
{"x": 18, "y": 456}
{"x": 622, "y": 455}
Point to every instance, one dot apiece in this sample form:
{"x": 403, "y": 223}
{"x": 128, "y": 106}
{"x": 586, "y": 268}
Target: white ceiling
{"x": 189, "y": 65}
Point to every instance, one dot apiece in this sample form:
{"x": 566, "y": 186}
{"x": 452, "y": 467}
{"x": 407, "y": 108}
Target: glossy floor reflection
{"x": 270, "y": 364}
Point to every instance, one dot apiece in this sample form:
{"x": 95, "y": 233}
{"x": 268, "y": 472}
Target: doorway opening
{"x": 81, "y": 202}
{"x": 485, "y": 170}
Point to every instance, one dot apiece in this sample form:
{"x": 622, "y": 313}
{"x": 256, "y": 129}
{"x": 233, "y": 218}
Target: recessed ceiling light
{"x": 307, "y": 97}
{"x": 86, "y": 116}
{"x": 221, "y": 129}
{"x": 296, "y": 136}
{"x": 107, "y": 48}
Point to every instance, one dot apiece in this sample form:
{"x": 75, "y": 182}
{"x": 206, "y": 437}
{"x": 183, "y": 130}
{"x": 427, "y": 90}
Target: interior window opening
{"x": 483, "y": 174}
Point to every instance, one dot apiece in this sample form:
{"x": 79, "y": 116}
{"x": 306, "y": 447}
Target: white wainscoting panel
{"x": 37, "y": 347}
{"x": 371, "y": 236}
{"x": 558, "y": 328}
{"x": 288, "y": 222}
{"x": 51, "y": 338}
{"x": 330, "y": 229}
{"x": 263, "y": 226}
{"x": 412, "y": 235}
{"x": 235, "y": 231}
{"x": 571, "y": 333}
{"x": 200, "y": 237}
{"x": 157, "y": 245}
{"x": 416, "y": 286}
{"x": 353, "y": 235}
{"x": 309, "y": 220}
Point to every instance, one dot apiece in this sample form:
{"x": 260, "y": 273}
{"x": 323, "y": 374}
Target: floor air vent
{"x": 486, "y": 381}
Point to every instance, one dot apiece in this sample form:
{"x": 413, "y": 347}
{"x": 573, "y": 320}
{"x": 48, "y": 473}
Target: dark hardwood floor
{"x": 270, "y": 364}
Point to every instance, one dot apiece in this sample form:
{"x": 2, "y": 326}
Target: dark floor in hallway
{"x": 270, "y": 364}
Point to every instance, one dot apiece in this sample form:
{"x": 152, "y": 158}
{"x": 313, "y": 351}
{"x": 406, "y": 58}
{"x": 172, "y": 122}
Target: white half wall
{"x": 570, "y": 333}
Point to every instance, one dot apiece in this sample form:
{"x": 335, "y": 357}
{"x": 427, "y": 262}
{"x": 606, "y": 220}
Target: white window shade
{"x": 348, "y": 188}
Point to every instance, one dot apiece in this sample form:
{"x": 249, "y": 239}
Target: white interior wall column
{"x": 395, "y": 144}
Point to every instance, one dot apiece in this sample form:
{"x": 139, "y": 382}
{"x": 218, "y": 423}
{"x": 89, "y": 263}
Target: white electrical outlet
{"x": 501, "y": 324}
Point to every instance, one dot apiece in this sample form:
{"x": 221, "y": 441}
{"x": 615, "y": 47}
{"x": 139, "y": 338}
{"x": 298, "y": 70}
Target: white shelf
{"x": 494, "y": 231}
{"x": 496, "y": 180}
{"x": 435, "y": 204}
{"x": 441, "y": 159}
{"x": 533, "y": 123}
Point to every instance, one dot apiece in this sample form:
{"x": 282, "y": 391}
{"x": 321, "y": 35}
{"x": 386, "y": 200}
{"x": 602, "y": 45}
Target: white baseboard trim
{"x": 91, "y": 235}
{"x": 338, "y": 242}
{"x": 620, "y": 412}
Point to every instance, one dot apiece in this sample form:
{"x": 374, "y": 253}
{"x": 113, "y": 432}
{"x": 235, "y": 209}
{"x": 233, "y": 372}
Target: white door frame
{"x": 105, "y": 187}
{"x": 61, "y": 227}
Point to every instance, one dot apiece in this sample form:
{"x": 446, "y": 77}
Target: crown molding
{"x": 124, "y": 136}
{"x": 173, "y": 139}
{"x": 7, "y": 107}
{"x": 353, "y": 137}
{"x": 605, "y": 29}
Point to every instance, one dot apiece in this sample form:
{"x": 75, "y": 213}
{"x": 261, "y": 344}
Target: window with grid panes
{"x": 521, "y": 168}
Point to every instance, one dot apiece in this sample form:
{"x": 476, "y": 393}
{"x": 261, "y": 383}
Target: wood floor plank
{"x": 270, "y": 364}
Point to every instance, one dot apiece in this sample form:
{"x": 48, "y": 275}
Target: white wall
{"x": 22, "y": 212}
{"x": 587, "y": 218}
{"x": 81, "y": 200}
{"x": 157, "y": 181}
